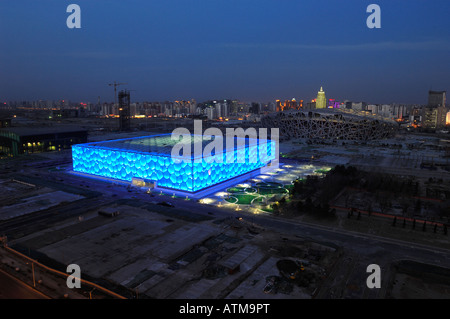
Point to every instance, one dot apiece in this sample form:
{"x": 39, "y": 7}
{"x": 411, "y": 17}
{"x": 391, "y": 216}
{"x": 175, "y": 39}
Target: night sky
{"x": 251, "y": 50}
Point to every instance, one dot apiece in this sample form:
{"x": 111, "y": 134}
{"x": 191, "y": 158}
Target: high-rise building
{"x": 437, "y": 98}
{"x": 359, "y": 106}
{"x": 255, "y": 108}
{"x": 278, "y": 106}
{"x": 435, "y": 114}
{"x": 124, "y": 110}
{"x": 272, "y": 107}
{"x": 321, "y": 101}
{"x": 224, "y": 109}
{"x": 210, "y": 113}
{"x": 434, "y": 117}
{"x": 218, "y": 110}
{"x": 192, "y": 106}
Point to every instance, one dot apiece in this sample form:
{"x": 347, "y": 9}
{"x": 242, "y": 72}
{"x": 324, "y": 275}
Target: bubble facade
{"x": 108, "y": 160}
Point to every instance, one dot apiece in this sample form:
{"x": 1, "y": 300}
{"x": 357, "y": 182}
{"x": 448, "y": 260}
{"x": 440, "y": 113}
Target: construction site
{"x": 145, "y": 254}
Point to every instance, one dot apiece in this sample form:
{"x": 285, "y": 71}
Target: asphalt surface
{"x": 11, "y": 288}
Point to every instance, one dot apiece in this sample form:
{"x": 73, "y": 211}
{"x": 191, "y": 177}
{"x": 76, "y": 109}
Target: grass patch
{"x": 243, "y": 199}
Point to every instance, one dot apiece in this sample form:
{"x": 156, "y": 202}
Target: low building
{"x": 27, "y": 140}
{"x": 5, "y": 122}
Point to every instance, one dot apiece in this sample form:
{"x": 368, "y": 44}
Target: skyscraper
{"x": 437, "y": 98}
{"x": 435, "y": 114}
{"x": 321, "y": 101}
{"x": 124, "y": 110}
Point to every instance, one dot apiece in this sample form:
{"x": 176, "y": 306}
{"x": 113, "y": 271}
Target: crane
{"x": 115, "y": 89}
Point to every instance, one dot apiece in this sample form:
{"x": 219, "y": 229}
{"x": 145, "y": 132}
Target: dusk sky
{"x": 251, "y": 50}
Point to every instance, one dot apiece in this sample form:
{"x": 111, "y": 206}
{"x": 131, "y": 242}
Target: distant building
{"x": 321, "y": 101}
{"x": 416, "y": 117}
{"x": 5, "y": 122}
{"x": 124, "y": 111}
{"x": 437, "y": 98}
{"x": 310, "y": 105}
{"x": 193, "y": 106}
{"x": 434, "y": 117}
{"x": 255, "y": 108}
{"x": 210, "y": 113}
{"x": 27, "y": 140}
{"x": 272, "y": 107}
{"x": 359, "y": 106}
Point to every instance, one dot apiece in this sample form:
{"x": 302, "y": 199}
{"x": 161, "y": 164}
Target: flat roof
{"x": 31, "y": 130}
{"x": 163, "y": 144}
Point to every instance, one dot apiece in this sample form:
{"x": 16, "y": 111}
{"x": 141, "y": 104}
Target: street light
{"x": 90, "y": 293}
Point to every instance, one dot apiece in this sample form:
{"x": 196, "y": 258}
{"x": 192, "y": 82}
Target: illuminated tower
{"x": 321, "y": 101}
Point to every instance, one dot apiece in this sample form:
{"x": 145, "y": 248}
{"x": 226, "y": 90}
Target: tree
{"x": 418, "y": 207}
{"x": 325, "y": 208}
{"x": 347, "y": 199}
{"x": 405, "y": 203}
{"x": 308, "y": 204}
{"x": 333, "y": 212}
{"x": 384, "y": 201}
{"x": 300, "y": 207}
{"x": 276, "y": 208}
{"x": 369, "y": 209}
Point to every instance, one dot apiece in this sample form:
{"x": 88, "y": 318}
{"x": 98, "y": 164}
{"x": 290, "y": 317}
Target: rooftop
{"x": 30, "y": 130}
{"x": 162, "y": 145}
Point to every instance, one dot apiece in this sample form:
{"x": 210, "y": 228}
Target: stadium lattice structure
{"x": 330, "y": 124}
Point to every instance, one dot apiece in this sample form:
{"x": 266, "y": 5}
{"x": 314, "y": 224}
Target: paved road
{"x": 11, "y": 288}
{"x": 348, "y": 277}
{"x": 362, "y": 244}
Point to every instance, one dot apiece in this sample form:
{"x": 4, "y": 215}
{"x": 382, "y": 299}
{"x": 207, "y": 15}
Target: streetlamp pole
{"x": 34, "y": 278}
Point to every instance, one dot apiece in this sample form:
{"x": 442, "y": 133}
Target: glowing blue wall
{"x": 191, "y": 176}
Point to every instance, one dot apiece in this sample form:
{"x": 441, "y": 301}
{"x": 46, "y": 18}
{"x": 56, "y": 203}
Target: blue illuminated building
{"x": 150, "y": 158}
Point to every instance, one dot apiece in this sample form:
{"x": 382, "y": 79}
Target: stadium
{"x": 148, "y": 161}
{"x": 330, "y": 124}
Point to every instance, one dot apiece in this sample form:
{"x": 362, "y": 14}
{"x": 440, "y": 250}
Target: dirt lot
{"x": 413, "y": 280}
{"x": 153, "y": 256}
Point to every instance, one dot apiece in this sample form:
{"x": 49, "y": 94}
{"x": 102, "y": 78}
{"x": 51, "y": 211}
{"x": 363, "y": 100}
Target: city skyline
{"x": 71, "y": 103}
{"x": 181, "y": 50}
